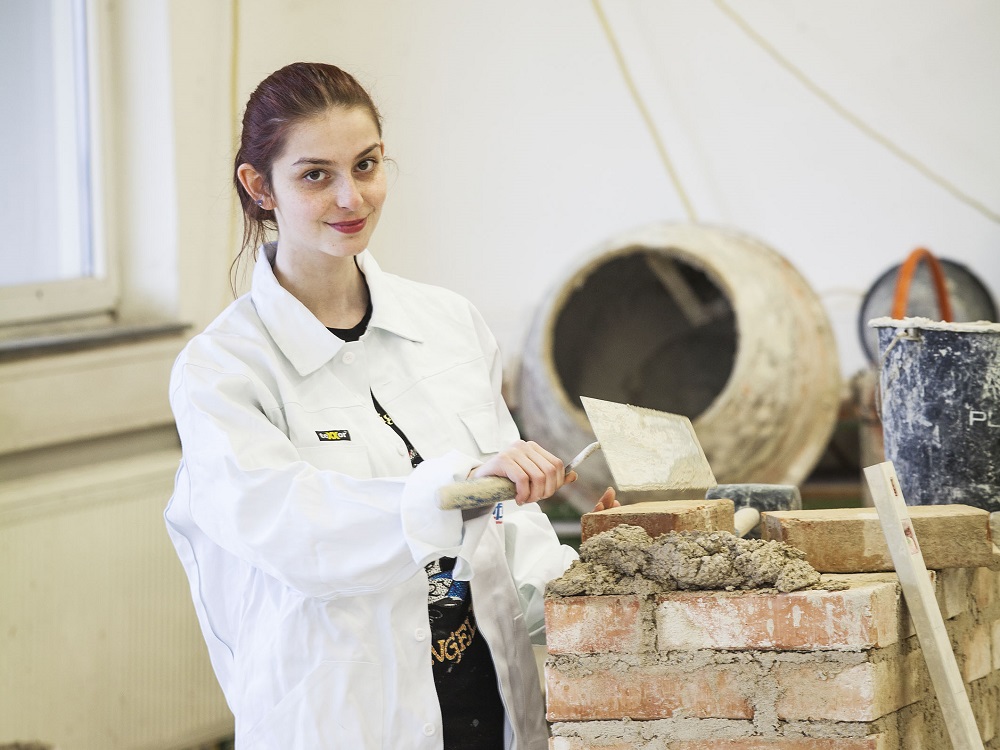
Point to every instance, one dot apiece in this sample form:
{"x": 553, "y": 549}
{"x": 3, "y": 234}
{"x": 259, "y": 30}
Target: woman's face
{"x": 328, "y": 185}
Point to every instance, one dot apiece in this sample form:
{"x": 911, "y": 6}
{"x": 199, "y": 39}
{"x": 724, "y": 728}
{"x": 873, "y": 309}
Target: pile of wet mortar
{"x": 627, "y": 560}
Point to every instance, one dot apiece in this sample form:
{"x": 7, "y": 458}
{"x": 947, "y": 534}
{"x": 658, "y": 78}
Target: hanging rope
{"x": 644, "y": 112}
{"x": 856, "y": 121}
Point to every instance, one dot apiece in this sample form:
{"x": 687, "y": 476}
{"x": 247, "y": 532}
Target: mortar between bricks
{"x": 892, "y": 682}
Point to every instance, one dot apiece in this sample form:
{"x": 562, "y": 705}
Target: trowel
{"x": 646, "y": 450}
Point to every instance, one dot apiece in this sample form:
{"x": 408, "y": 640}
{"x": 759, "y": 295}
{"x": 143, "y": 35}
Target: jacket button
{"x": 348, "y": 358}
{"x": 428, "y": 729}
{"x": 420, "y": 634}
{"x": 401, "y": 450}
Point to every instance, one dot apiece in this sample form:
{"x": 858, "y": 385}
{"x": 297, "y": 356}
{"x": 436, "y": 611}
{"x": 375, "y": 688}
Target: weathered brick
{"x": 593, "y": 624}
{"x": 594, "y": 691}
{"x": 984, "y": 587}
{"x": 663, "y": 516}
{"x": 782, "y": 743}
{"x": 872, "y": 742}
{"x": 858, "y": 692}
{"x": 952, "y": 590}
{"x": 921, "y": 727}
{"x": 975, "y": 653}
{"x": 984, "y": 695}
{"x": 850, "y": 540}
{"x": 868, "y": 614}
{"x": 576, "y": 743}
{"x": 995, "y": 626}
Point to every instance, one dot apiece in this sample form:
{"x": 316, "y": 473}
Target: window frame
{"x": 100, "y": 293}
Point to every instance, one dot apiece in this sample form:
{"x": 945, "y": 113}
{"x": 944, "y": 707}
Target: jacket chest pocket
{"x": 342, "y": 457}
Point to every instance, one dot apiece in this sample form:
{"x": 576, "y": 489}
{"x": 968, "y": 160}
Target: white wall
{"x": 519, "y": 147}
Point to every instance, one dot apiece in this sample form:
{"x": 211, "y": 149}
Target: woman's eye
{"x": 314, "y": 176}
{"x": 367, "y": 165}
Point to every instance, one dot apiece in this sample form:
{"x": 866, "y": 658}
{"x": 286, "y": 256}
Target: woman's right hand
{"x": 535, "y": 472}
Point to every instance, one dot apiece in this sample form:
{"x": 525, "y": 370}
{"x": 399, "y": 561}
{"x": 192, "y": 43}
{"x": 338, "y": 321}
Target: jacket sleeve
{"x": 320, "y": 532}
{"x": 534, "y": 554}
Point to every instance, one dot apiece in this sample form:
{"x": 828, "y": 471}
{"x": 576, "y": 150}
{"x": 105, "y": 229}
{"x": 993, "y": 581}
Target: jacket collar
{"x": 388, "y": 312}
{"x": 305, "y": 341}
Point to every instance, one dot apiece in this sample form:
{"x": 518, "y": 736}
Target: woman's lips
{"x": 350, "y": 227}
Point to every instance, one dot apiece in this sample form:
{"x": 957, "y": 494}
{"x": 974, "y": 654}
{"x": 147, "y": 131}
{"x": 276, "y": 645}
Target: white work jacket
{"x": 304, "y": 531}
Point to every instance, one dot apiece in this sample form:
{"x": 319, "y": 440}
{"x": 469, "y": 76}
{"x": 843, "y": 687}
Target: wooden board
{"x": 904, "y": 547}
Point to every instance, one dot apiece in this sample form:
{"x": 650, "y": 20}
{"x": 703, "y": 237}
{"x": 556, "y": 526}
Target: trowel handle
{"x": 745, "y": 520}
{"x": 582, "y": 456}
{"x": 476, "y": 493}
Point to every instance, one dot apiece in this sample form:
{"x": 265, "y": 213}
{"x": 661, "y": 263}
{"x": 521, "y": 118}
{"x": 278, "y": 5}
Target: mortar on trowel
{"x": 646, "y": 450}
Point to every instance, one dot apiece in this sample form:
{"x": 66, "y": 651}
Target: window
{"x": 90, "y": 320}
{"x": 55, "y": 263}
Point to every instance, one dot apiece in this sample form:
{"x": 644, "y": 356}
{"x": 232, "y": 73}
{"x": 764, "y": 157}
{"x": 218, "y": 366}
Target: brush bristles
{"x": 476, "y": 493}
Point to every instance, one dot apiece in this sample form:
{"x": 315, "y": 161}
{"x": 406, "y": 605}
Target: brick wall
{"x": 808, "y": 670}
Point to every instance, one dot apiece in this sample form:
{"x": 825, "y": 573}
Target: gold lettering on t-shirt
{"x": 452, "y": 647}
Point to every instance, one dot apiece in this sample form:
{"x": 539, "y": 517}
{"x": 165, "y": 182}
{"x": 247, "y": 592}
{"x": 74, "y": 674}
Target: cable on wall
{"x": 647, "y": 118}
{"x": 234, "y": 66}
{"x": 860, "y": 124}
{"x": 235, "y": 214}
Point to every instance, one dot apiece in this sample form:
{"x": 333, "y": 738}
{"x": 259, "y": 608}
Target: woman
{"x": 319, "y": 415}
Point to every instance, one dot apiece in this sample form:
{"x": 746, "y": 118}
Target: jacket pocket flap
{"x": 482, "y": 423}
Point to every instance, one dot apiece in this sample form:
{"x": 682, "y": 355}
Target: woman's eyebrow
{"x": 326, "y": 162}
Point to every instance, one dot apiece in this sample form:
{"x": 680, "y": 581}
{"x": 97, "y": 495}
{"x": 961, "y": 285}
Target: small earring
{"x": 260, "y": 203}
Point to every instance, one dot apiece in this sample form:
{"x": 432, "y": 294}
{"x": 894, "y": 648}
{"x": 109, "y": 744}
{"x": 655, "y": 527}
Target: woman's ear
{"x": 255, "y": 185}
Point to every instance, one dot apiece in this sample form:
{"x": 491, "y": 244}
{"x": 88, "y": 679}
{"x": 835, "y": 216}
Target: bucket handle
{"x": 905, "y": 278}
{"x": 903, "y": 281}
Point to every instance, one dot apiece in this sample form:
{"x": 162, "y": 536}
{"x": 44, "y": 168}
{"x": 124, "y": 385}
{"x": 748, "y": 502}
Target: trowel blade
{"x": 648, "y": 449}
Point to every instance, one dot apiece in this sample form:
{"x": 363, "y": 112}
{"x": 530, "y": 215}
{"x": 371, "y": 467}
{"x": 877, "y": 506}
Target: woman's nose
{"x": 348, "y": 195}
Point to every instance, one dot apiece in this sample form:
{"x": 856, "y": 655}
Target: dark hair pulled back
{"x": 294, "y": 93}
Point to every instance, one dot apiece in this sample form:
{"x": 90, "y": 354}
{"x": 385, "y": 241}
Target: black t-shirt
{"x": 466, "y": 680}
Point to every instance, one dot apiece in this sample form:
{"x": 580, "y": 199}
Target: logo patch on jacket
{"x": 498, "y": 513}
{"x": 333, "y": 435}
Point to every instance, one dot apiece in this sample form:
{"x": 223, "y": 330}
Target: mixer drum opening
{"x": 646, "y": 328}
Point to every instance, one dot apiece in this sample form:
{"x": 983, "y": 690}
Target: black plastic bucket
{"x": 940, "y": 405}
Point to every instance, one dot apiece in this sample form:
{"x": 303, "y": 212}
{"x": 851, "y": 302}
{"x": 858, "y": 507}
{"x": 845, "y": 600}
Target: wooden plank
{"x": 919, "y": 594}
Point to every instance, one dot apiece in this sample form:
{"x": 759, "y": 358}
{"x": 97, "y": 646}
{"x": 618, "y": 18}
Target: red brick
{"x": 858, "y": 692}
{"x": 867, "y": 615}
{"x": 659, "y": 517}
{"x": 593, "y": 624}
{"x": 646, "y": 692}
